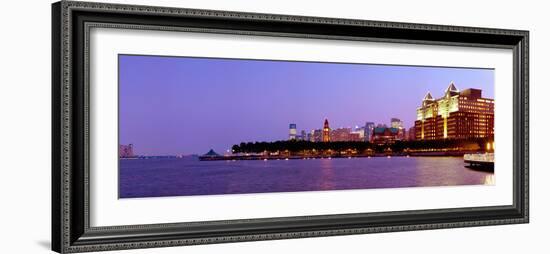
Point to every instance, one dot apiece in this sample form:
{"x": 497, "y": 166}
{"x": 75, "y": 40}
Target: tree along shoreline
{"x": 283, "y": 156}
{"x": 302, "y": 148}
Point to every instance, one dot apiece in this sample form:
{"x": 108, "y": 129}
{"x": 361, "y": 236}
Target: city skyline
{"x": 173, "y": 105}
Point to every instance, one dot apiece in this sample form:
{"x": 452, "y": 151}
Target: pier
{"x": 215, "y": 157}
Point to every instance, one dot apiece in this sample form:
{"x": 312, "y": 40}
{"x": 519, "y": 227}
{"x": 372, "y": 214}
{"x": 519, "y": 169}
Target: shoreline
{"x": 298, "y": 157}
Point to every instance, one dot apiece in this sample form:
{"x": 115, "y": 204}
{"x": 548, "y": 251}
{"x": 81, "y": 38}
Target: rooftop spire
{"x": 428, "y": 97}
{"x": 452, "y": 88}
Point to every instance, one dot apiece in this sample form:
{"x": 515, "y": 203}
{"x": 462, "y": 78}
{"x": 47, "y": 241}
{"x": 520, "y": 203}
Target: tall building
{"x": 396, "y": 123}
{"x": 292, "y": 131}
{"x": 303, "y": 135}
{"x": 411, "y": 134}
{"x": 126, "y": 151}
{"x": 326, "y": 131}
{"x": 369, "y": 130}
{"x": 384, "y": 135}
{"x": 458, "y": 114}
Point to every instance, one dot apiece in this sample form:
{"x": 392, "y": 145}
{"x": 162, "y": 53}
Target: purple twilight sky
{"x": 182, "y": 105}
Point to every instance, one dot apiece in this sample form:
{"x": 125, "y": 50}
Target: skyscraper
{"x": 292, "y": 131}
{"x": 396, "y": 123}
{"x": 369, "y": 129}
{"x": 326, "y": 131}
{"x": 303, "y": 135}
{"x": 458, "y": 114}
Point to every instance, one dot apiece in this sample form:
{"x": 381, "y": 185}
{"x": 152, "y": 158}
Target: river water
{"x": 189, "y": 176}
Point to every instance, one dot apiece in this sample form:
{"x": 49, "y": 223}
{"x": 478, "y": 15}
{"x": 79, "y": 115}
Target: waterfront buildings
{"x": 126, "y": 151}
{"x": 211, "y": 154}
{"x": 366, "y": 133}
{"x": 360, "y": 131}
{"x": 458, "y": 114}
{"x": 385, "y": 135}
{"x": 358, "y": 134}
{"x": 344, "y": 134}
{"x": 340, "y": 134}
{"x": 369, "y": 130}
{"x": 317, "y": 135}
{"x": 292, "y": 131}
{"x": 326, "y": 131}
{"x": 396, "y": 123}
{"x": 411, "y": 134}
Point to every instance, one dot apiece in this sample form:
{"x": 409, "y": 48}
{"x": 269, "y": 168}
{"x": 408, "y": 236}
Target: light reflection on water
{"x": 489, "y": 179}
{"x": 180, "y": 177}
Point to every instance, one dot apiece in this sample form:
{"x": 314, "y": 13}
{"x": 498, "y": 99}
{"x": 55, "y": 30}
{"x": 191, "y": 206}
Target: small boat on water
{"x": 480, "y": 161}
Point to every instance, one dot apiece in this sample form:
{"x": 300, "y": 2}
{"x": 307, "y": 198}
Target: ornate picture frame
{"x": 71, "y": 229}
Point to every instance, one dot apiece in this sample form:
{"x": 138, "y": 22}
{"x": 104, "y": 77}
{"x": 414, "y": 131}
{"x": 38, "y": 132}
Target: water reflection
{"x": 326, "y": 167}
{"x": 175, "y": 177}
{"x": 489, "y": 179}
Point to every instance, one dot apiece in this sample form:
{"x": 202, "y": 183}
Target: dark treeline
{"x": 299, "y": 146}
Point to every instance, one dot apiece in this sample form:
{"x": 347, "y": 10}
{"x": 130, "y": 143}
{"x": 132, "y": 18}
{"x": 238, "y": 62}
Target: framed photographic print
{"x": 181, "y": 126}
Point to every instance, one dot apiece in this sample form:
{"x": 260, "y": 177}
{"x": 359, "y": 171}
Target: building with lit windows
{"x": 458, "y": 114}
{"x": 292, "y": 131}
{"x": 384, "y": 135}
{"x": 396, "y": 123}
{"x": 326, "y": 131}
{"x": 344, "y": 134}
{"x": 340, "y": 134}
{"x": 411, "y": 134}
{"x": 316, "y": 135}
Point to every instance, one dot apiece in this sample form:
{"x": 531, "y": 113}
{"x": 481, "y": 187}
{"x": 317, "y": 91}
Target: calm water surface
{"x": 189, "y": 176}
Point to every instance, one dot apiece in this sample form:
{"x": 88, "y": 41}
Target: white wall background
{"x": 25, "y": 125}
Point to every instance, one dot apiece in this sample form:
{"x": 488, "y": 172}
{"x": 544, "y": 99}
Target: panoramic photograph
{"x": 214, "y": 126}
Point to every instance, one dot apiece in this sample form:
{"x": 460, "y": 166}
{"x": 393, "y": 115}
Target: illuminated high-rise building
{"x": 292, "y": 131}
{"x": 396, "y": 123}
{"x": 303, "y": 135}
{"x": 458, "y": 114}
{"x": 326, "y": 131}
